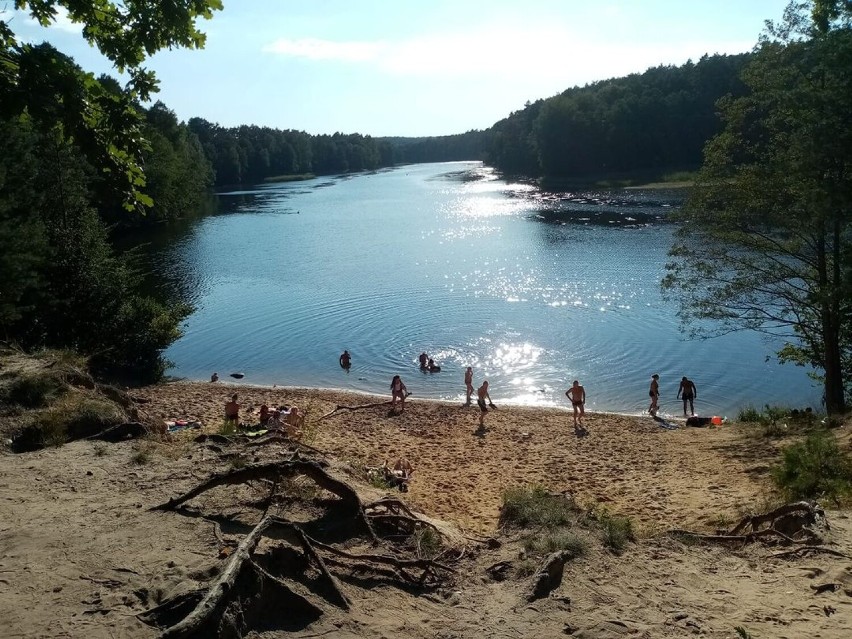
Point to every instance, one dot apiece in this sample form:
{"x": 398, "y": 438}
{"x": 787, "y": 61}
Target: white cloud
{"x": 61, "y": 22}
{"x": 549, "y": 51}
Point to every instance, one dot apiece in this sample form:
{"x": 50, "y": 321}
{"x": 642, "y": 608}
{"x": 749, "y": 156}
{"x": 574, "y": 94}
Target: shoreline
{"x": 386, "y": 397}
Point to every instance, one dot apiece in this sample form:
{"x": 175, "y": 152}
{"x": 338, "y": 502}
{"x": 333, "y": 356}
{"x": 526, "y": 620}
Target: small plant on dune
{"x": 227, "y": 428}
{"x": 553, "y": 541}
{"x": 535, "y": 506}
{"x": 34, "y": 391}
{"x": 749, "y": 415}
{"x": 771, "y": 419}
{"x": 742, "y": 633}
{"x": 814, "y": 467}
{"x": 525, "y": 568}
{"x": 140, "y": 457}
{"x": 616, "y": 531}
{"x": 238, "y": 462}
{"x": 427, "y": 542}
{"x": 100, "y": 450}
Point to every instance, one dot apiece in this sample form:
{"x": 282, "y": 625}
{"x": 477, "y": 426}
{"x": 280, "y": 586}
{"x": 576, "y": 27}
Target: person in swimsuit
{"x": 424, "y": 360}
{"x": 468, "y": 385}
{"x": 482, "y": 395}
{"x": 654, "y": 393}
{"x": 577, "y": 395}
{"x": 345, "y": 359}
{"x": 433, "y": 367}
{"x": 688, "y": 393}
{"x": 214, "y": 377}
{"x": 232, "y": 411}
{"x": 398, "y": 391}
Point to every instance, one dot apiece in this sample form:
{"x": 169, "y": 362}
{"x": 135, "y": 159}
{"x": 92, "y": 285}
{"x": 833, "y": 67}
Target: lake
{"x": 533, "y": 290}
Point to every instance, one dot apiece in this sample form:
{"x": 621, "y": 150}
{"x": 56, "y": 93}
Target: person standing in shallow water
{"x": 345, "y": 359}
{"x": 468, "y": 385}
{"x": 688, "y": 392}
{"x": 577, "y": 395}
{"x": 654, "y": 393}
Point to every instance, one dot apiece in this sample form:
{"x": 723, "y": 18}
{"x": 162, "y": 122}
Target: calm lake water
{"x": 531, "y": 290}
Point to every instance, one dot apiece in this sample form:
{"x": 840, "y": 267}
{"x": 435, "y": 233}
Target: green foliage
{"x": 749, "y": 415}
{"x": 40, "y": 81}
{"x": 743, "y": 633}
{"x": 227, "y": 428}
{"x": 813, "y": 468}
{"x": 552, "y": 541}
{"x": 70, "y": 416}
{"x": 654, "y": 120}
{"x": 34, "y": 391}
{"x": 527, "y": 507}
{"x": 765, "y": 242}
{"x": 616, "y": 531}
{"x": 427, "y": 542}
{"x": 75, "y": 292}
{"x": 140, "y": 457}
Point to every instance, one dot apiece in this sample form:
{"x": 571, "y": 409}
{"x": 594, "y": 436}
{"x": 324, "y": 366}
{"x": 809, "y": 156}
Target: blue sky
{"x": 415, "y": 68}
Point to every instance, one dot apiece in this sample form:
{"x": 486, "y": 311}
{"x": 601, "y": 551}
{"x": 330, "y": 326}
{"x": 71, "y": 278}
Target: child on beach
{"x": 232, "y": 411}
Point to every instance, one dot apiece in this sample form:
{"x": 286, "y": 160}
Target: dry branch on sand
{"x": 790, "y": 524}
{"x": 310, "y": 569}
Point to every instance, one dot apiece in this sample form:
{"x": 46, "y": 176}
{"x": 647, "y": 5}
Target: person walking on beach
{"x": 577, "y": 395}
{"x": 688, "y": 393}
{"x": 232, "y": 411}
{"x": 482, "y": 395}
{"x": 468, "y": 385}
{"x": 398, "y": 391}
{"x": 654, "y": 393}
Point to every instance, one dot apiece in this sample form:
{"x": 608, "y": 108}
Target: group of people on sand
{"x": 483, "y": 399}
{"x": 287, "y": 419}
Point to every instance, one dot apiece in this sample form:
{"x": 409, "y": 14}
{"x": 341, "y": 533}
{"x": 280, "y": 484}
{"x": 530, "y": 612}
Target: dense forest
{"x": 654, "y": 121}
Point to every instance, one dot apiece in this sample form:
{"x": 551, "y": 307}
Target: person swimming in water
{"x": 345, "y": 359}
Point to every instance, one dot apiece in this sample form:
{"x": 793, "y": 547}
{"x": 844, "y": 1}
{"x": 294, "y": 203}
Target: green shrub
{"x": 616, "y": 531}
{"x": 815, "y": 467}
{"x": 526, "y": 507}
{"x": 427, "y": 542}
{"x": 549, "y": 542}
{"x": 742, "y": 633}
{"x": 749, "y": 414}
{"x": 34, "y": 391}
{"x": 140, "y": 457}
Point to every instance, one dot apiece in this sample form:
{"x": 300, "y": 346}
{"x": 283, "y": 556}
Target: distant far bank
{"x": 290, "y": 178}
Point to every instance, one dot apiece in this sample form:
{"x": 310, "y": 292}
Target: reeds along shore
{"x": 622, "y": 463}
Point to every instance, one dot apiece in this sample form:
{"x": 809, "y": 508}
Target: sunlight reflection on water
{"x": 531, "y": 289}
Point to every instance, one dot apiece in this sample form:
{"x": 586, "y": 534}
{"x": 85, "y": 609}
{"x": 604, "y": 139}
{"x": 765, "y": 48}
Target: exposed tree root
{"x": 548, "y": 577}
{"x": 788, "y": 524}
{"x": 120, "y": 432}
{"x": 293, "y": 579}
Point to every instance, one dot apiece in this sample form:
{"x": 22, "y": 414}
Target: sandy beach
{"x": 83, "y": 555}
{"x": 662, "y": 478}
